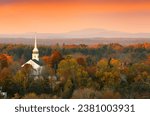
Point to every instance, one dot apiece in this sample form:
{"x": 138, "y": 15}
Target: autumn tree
{"x": 108, "y": 76}
{"x": 147, "y": 61}
{"x": 30, "y": 96}
{"x": 4, "y": 60}
{"x": 81, "y": 61}
{"x": 23, "y": 78}
{"x": 140, "y": 73}
{"x": 46, "y": 60}
{"x": 69, "y": 68}
{"x": 56, "y": 57}
{"x": 39, "y": 86}
{"x": 91, "y": 71}
{"x": 68, "y": 89}
{"x": 51, "y": 62}
{"x": 86, "y": 93}
{"x": 27, "y": 70}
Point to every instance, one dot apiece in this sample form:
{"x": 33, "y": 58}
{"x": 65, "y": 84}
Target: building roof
{"x": 34, "y": 63}
{"x": 37, "y": 62}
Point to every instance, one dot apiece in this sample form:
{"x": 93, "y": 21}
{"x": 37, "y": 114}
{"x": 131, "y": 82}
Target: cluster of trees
{"x": 107, "y": 71}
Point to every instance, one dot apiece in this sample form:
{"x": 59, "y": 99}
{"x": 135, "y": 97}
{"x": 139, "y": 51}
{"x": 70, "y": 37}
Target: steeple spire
{"x": 35, "y": 52}
{"x": 35, "y": 43}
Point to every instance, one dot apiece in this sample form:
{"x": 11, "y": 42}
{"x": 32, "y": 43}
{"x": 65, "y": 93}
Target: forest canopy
{"x": 77, "y": 71}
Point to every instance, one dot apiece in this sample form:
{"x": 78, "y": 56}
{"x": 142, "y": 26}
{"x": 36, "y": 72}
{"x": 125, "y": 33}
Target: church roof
{"x": 37, "y": 62}
{"x": 34, "y": 63}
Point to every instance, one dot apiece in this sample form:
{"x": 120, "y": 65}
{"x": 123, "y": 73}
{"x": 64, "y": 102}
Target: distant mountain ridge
{"x": 87, "y": 41}
{"x": 86, "y": 36}
{"x": 85, "y": 33}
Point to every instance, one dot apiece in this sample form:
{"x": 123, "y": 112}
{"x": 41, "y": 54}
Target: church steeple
{"x": 35, "y": 44}
{"x": 35, "y": 52}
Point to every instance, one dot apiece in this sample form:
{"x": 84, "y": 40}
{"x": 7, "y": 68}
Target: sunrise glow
{"x": 55, "y": 16}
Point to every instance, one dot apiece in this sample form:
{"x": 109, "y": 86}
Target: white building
{"x": 34, "y": 62}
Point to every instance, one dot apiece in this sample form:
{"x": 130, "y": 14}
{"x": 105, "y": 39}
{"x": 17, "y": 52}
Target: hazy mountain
{"x": 86, "y": 33}
{"x": 87, "y": 41}
{"x": 86, "y": 36}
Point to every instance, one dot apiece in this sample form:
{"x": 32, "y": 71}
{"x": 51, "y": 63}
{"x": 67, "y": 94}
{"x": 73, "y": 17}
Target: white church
{"x": 35, "y": 62}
